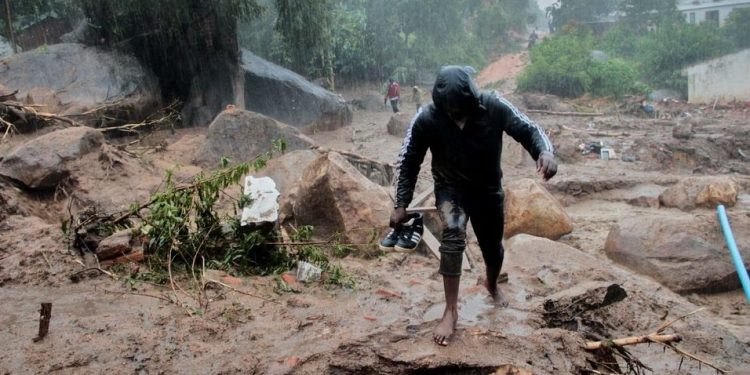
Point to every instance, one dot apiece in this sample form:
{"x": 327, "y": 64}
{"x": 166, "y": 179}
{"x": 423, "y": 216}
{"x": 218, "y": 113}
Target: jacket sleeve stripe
{"x": 527, "y": 120}
{"x": 404, "y": 147}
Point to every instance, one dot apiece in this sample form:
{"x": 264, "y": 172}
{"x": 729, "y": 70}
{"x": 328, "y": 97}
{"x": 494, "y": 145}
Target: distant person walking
{"x": 532, "y": 39}
{"x": 416, "y": 96}
{"x": 393, "y": 94}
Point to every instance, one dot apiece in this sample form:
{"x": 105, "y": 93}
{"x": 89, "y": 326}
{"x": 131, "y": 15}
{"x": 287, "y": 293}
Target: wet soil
{"x": 382, "y": 325}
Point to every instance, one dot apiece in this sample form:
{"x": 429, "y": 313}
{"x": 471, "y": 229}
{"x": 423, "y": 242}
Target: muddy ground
{"x": 383, "y": 324}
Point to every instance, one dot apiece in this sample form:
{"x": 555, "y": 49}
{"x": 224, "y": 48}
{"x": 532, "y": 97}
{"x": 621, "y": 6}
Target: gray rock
{"x": 243, "y": 135}
{"x": 40, "y": 163}
{"x": 686, "y": 254}
{"x": 599, "y": 56}
{"x": 289, "y": 97}
{"x": 115, "y": 245}
{"x": 84, "y": 78}
{"x": 683, "y": 130}
{"x": 398, "y": 125}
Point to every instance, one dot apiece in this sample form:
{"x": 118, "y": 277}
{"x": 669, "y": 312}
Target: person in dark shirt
{"x": 463, "y": 130}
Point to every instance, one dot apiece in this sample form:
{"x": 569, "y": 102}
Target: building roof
{"x": 688, "y": 5}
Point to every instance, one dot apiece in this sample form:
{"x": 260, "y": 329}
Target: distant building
{"x": 716, "y": 11}
{"x": 724, "y": 78}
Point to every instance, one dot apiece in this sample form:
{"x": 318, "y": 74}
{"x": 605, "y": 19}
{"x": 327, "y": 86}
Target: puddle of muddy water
{"x": 477, "y": 310}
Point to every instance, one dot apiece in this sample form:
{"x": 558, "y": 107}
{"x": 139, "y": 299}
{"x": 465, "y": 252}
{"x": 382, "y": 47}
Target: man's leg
{"x": 451, "y": 255}
{"x": 394, "y": 105}
{"x": 488, "y": 222}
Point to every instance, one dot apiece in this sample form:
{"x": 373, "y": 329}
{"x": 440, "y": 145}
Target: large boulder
{"x": 531, "y": 209}
{"x": 287, "y": 169}
{"x": 706, "y": 192}
{"x": 336, "y": 199}
{"x": 398, "y": 125}
{"x": 243, "y": 135}
{"x": 41, "y": 162}
{"x": 85, "y": 78}
{"x": 289, "y": 97}
{"x": 686, "y": 254}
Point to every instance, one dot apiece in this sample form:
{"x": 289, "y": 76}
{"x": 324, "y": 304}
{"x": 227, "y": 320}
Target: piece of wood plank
{"x": 421, "y": 197}
{"x": 45, "y": 313}
{"x": 632, "y": 341}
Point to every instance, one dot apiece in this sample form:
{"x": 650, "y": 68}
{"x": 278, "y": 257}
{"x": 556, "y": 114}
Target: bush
{"x": 663, "y": 53}
{"x": 562, "y": 65}
{"x": 559, "y": 65}
{"x": 614, "y": 77}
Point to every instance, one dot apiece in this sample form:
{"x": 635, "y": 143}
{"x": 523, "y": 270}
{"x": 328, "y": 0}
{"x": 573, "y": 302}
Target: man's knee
{"x": 451, "y": 251}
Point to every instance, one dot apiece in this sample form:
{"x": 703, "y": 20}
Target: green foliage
{"x": 305, "y": 28}
{"x": 559, "y": 65}
{"x": 640, "y": 15}
{"x": 737, "y": 27}
{"x": 562, "y": 65}
{"x": 564, "y": 12}
{"x": 663, "y": 54}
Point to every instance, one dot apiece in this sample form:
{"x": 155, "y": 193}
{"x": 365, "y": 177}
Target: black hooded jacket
{"x": 467, "y": 159}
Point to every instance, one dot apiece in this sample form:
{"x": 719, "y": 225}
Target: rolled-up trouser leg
{"x": 453, "y": 242}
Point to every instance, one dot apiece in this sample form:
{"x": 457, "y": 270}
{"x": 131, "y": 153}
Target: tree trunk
{"x": 9, "y": 26}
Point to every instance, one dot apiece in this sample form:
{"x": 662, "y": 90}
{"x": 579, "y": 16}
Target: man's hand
{"x": 546, "y": 165}
{"x": 398, "y": 217}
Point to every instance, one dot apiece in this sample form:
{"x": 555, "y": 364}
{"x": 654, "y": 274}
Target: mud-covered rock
{"x": 686, "y": 254}
{"x": 46, "y": 97}
{"x": 336, "y": 199}
{"x": 545, "y": 103}
{"x": 644, "y": 201}
{"x": 707, "y": 192}
{"x": 398, "y": 125}
{"x": 289, "y": 97}
{"x": 243, "y": 135}
{"x": 683, "y": 130}
{"x": 287, "y": 169}
{"x": 85, "y": 78}
{"x": 40, "y": 163}
{"x": 119, "y": 243}
{"x": 531, "y": 209}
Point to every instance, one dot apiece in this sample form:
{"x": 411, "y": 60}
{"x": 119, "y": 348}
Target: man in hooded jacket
{"x": 463, "y": 130}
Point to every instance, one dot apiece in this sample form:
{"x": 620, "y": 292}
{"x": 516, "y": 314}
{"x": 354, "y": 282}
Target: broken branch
{"x": 574, "y": 114}
{"x": 594, "y": 345}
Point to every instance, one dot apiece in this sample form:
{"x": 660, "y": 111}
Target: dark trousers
{"x": 394, "y": 105}
{"x": 485, "y": 210}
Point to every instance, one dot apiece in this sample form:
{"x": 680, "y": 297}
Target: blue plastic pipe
{"x": 736, "y": 257}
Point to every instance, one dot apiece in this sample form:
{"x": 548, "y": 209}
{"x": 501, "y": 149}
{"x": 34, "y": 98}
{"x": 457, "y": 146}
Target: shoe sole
{"x": 403, "y": 249}
{"x": 383, "y": 248}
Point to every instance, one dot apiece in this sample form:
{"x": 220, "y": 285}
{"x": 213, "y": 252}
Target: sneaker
{"x": 389, "y": 242}
{"x": 411, "y": 235}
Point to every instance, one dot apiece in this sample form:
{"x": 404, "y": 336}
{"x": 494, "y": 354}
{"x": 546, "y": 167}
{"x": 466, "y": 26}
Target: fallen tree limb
{"x": 634, "y": 340}
{"x": 574, "y": 114}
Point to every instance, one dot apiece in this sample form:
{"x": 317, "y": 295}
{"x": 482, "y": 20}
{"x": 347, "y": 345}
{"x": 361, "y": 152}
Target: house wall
{"x": 700, "y": 9}
{"x": 725, "y": 78}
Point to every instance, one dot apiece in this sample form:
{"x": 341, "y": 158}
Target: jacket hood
{"x": 455, "y": 89}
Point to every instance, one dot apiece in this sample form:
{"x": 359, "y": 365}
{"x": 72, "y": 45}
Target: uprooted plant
{"x": 184, "y": 231}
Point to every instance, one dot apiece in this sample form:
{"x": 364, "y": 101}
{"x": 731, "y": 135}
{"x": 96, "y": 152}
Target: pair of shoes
{"x": 406, "y": 237}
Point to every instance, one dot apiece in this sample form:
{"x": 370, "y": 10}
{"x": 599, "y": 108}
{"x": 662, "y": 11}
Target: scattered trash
{"x": 742, "y": 153}
{"x": 591, "y": 147}
{"x": 289, "y": 279}
{"x": 308, "y": 272}
{"x": 263, "y": 195}
{"x": 370, "y": 318}
{"x": 607, "y": 153}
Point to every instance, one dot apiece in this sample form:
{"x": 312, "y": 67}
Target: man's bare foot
{"x": 446, "y": 327}
{"x": 498, "y": 298}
